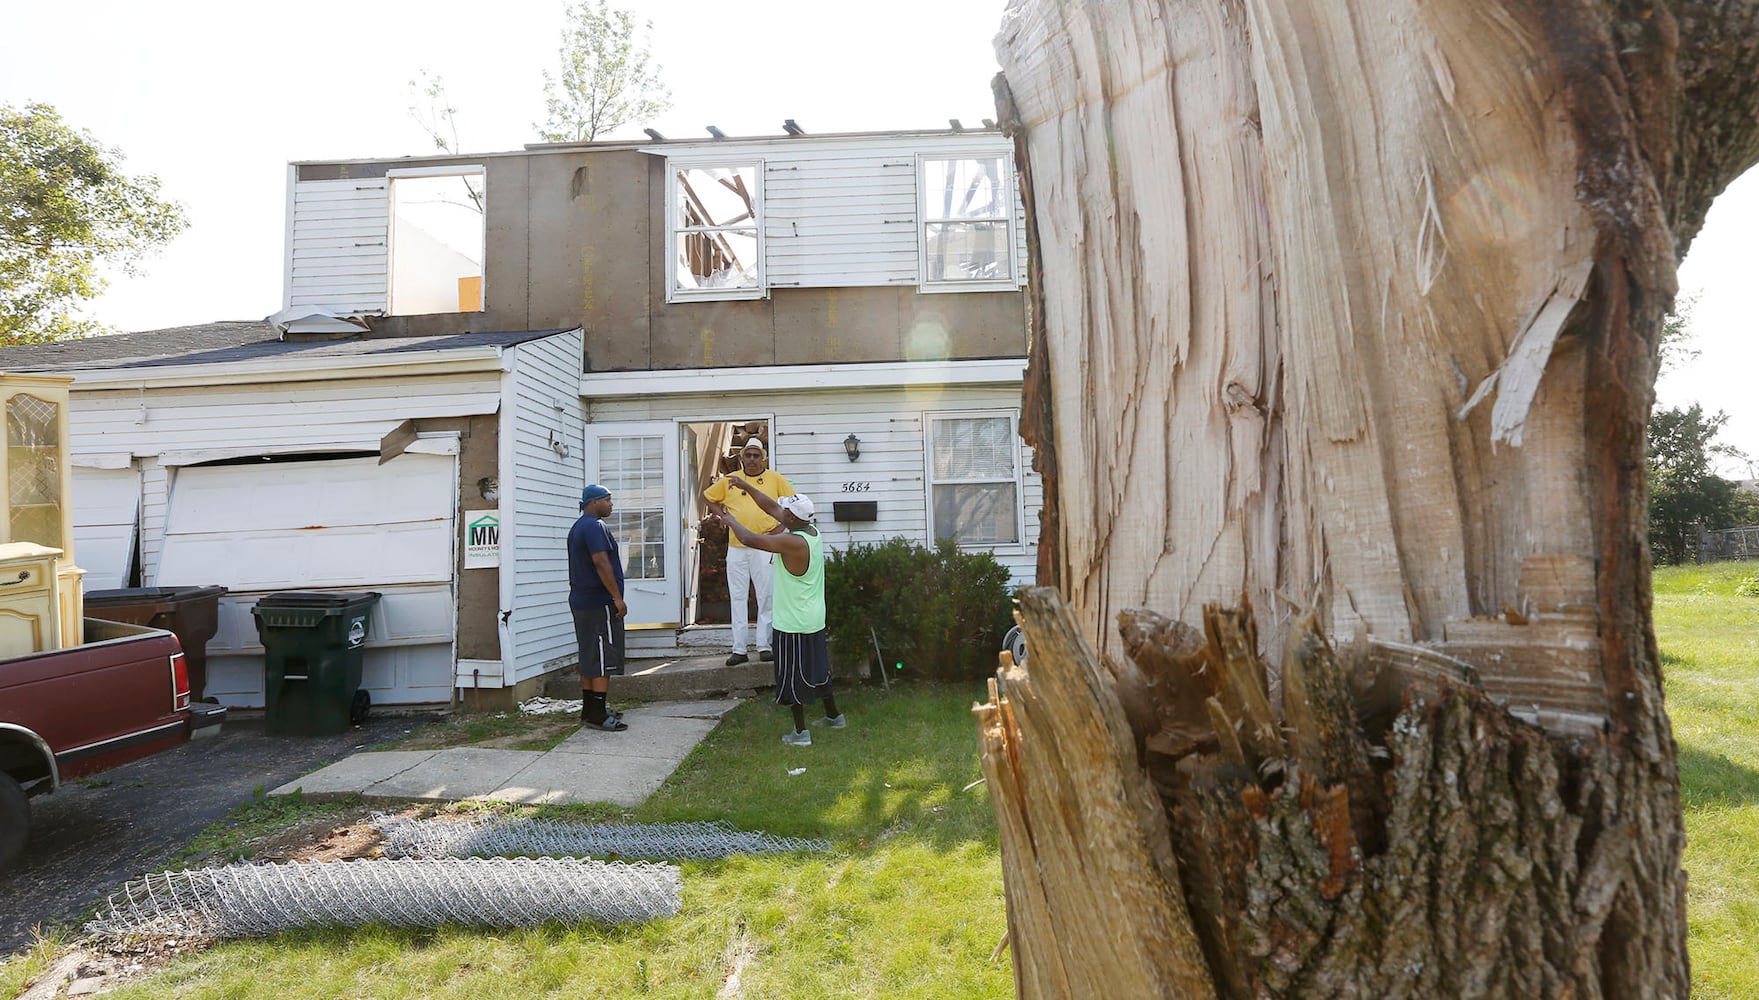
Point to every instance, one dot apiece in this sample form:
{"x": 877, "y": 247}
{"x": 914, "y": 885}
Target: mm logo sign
{"x": 482, "y": 539}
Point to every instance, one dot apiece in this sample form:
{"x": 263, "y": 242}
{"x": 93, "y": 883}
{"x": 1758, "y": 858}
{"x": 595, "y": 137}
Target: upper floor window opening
{"x": 437, "y": 238}
{"x": 966, "y": 216}
{"x": 717, "y": 230}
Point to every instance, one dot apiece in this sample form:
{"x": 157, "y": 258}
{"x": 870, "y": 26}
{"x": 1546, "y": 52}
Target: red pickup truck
{"x": 121, "y": 694}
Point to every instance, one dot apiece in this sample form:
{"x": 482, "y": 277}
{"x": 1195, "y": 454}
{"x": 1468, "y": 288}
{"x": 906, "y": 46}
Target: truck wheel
{"x": 363, "y": 704}
{"x": 15, "y": 821}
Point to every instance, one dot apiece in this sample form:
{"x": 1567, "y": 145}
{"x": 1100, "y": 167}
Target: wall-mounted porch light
{"x": 852, "y": 447}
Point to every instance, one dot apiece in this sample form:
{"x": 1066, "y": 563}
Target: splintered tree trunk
{"x": 1345, "y": 320}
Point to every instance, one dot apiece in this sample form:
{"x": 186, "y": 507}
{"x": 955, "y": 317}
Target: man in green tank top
{"x": 803, "y": 659}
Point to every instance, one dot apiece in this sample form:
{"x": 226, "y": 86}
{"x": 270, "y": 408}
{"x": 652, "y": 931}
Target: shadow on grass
{"x": 1708, "y": 779}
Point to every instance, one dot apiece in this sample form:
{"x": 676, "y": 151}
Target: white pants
{"x": 749, "y": 566}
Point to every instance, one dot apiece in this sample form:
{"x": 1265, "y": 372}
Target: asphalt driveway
{"x": 92, "y": 835}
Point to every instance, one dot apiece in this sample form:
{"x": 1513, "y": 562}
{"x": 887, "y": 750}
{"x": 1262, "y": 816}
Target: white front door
{"x": 638, "y": 463}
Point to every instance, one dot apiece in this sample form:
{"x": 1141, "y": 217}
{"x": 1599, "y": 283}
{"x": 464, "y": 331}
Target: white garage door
{"x": 106, "y": 514}
{"x": 340, "y": 524}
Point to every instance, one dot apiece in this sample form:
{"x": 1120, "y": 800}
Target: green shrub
{"x": 1748, "y": 586}
{"x": 937, "y": 613}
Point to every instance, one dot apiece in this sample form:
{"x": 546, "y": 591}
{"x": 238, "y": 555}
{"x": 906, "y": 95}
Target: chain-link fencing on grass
{"x": 515, "y": 836}
{"x": 252, "y": 900}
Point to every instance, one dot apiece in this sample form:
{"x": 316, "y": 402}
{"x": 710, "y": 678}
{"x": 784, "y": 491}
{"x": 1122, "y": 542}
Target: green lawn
{"x": 910, "y": 903}
{"x": 1707, "y": 624}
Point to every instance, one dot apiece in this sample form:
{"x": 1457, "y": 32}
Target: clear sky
{"x": 217, "y": 98}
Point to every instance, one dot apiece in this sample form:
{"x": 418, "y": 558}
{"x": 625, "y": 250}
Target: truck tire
{"x": 15, "y": 821}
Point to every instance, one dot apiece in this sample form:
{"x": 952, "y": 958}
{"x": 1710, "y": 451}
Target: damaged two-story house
{"x": 465, "y": 341}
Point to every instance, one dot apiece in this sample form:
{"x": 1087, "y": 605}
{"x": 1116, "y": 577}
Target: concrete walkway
{"x": 589, "y": 766}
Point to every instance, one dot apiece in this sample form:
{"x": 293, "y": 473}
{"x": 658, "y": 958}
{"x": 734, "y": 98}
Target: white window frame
{"x": 924, "y": 219}
{"x": 675, "y": 293}
{"x": 395, "y": 174}
{"x": 930, "y": 482}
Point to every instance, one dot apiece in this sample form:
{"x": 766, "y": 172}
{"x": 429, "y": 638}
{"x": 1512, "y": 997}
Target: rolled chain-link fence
{"x": 512, "y": 836}
{"x": 251, "y": 900}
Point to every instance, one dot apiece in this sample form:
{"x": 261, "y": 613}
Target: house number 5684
{"x": 857, "y": 487}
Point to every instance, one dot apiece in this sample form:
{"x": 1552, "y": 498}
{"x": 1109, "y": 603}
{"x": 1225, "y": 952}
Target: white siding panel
{"x": 807, "y": 447}
{"x": 544, "y": 501}
{"x": 155, "y": 489}
{"x": 340, "y": 244}
{"x": 296, "y": 417}
{"x": 106, "y": 516}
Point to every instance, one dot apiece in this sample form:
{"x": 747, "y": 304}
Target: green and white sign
{"x": 482, "y": 539}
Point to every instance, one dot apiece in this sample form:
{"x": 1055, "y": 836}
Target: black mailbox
{"x": 855, "y": 510}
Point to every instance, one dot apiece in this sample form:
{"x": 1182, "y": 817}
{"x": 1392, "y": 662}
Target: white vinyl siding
{"x": 807, "y": 447}
{"x": 338, "y": 243}
{"x": 540, "y": 504}
{"x": 844, "y": 212}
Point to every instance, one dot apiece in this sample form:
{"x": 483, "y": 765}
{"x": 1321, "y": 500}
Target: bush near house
{"x": 937, "y": 613}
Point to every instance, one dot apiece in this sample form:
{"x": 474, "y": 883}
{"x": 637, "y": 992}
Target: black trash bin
{"x": 191, "y": 613}
{"x": 312, "y": 660}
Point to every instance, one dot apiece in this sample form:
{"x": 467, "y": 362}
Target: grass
{"x": 909, "y": 903}
{"x": 1707, "y": 625}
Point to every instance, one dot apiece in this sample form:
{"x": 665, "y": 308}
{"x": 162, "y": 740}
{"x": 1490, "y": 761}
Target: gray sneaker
{"x": 802, "y": 738}
{"x": 835, "y": 723}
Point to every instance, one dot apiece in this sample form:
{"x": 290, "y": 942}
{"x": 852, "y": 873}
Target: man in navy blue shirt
{"x": 595, "y": 597}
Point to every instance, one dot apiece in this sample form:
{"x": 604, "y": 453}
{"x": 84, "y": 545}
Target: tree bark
{"x": 1347, "y": 314}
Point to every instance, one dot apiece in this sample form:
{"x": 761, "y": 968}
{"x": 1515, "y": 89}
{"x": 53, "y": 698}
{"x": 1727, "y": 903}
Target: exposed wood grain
{"x": 1351, "y": 308}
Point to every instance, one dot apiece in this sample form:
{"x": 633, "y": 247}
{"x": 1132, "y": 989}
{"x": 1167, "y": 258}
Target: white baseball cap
{"x": 800, "y": 505}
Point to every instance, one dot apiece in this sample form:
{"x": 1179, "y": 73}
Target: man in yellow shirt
{"x": 749, "y": 568}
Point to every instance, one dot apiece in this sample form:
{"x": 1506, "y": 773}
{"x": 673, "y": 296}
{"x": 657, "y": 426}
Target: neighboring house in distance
{"x": 836, "y": 296}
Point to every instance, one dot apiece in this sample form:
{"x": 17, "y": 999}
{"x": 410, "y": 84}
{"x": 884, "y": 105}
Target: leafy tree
{"x": 431, "y": 108}
{"x": 65, "y": 207}
{"x": 607, "y": 77}
{"x": 1683, "y": 491}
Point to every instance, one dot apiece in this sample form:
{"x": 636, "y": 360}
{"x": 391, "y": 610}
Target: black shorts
{"x": 600, "y": 634}
{"x": 803, "y": 665}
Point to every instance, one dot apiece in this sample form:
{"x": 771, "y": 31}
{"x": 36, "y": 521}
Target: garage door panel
{"x": 304, "y": 560}
{"x": 345, "y": 524}
{"x": 106, "y": 512}
{"x": 355, "y": 492}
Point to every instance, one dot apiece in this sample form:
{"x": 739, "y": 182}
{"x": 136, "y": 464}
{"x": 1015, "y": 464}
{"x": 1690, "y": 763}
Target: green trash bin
{"x": 312, "y": 652}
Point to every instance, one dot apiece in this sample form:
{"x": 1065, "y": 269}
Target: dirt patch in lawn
{"x": 503, "y": 731}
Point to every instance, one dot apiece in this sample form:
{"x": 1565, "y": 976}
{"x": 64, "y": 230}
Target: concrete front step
{"x": 675, "y": 679}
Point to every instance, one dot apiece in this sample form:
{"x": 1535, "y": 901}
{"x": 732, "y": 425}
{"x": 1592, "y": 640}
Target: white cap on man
{"x": 751, "y": 443}
{"x": 800, "y": 505}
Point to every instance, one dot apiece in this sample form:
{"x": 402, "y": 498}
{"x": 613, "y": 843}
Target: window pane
{"x": 721, "y": 259}
{"x": 968, "y": 251}
{"x": 973, "y": 448}
{"x": 976, "y": 513}
{"x": 964, "y": 189}
{"x": 715, "y": 196}
{"x": 633, "y": 469}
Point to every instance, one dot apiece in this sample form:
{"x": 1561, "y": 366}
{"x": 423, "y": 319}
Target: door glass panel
{"x": 633, "y": 469}
{"x": 34, "y": 470}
